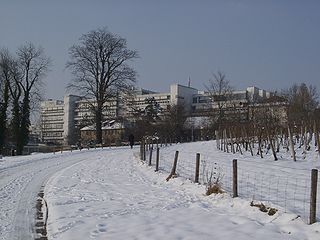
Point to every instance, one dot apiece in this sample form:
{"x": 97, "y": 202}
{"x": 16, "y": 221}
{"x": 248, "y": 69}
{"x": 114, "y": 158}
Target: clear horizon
{"x": 268, "y": 44}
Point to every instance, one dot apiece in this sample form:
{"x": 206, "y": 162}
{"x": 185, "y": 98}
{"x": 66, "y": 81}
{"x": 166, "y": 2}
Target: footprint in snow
{"x": 101, "y": 228}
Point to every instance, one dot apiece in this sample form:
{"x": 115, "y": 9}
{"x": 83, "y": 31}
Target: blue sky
{"x": 270, "y": 44}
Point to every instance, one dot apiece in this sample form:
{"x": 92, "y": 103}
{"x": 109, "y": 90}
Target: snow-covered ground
{"x": 114, "y": 196}
{"x": 110, "y": 194}
{"x": 21, "y": 179}
{"x": 283, "y": 184}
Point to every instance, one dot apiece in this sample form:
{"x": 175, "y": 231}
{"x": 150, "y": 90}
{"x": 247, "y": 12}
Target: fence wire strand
{"x": 290, "y": 193}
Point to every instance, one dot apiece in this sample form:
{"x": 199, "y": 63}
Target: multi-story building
{"x": 178, "y": 95}
{"x": 61, "y": 121}
{"x": 71, "y": 102}
{"x": 233, "y": 103}
{"x": 57, "y": 119}
{"x": 52, "y": 120}
{"x": 273, "y": 109}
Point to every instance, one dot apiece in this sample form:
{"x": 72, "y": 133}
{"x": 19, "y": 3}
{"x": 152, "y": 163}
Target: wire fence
{"x": 280, "y": 189}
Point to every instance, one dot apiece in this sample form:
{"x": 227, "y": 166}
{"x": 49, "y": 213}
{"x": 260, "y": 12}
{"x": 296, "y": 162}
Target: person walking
{"x": 131, "y": 140}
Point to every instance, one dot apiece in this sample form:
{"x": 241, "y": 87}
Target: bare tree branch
{"x": 99, "y": 64}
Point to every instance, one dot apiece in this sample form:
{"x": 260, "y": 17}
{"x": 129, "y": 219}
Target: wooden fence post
{"x": 174, "y": 167}
{"x": 157, "y": 160}
{"x": 235, "y": 178}
{"x": 150, "y": 156}
{"x": 313, "y": 197}
{"x": 196, "y": 178}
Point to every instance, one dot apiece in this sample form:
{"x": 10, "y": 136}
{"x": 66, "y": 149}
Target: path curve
{"x": 21, "y": 178}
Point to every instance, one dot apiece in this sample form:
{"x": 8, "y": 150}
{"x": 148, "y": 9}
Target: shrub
{"x": 213, "y": 184}
{"x": 213, "y": 188}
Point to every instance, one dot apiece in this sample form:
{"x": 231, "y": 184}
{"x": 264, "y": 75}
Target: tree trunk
{"x": 259, "y": 145}
{"x": 21, "y": 123}
{"x": 293, "y": 153}
{"x": 301, "y": 135}
{"x": 3, "y": 115}
{"x": 231, "y": 142}
{"x": 248, "y": 142}
{"x": 224, "y": 141}
{"x": 305, "y": 143}
{"x": 217, "y": 139}
{"x": 272, "y": 146}
{"x": 221, "y": 139}
{"x": 310, "y": 137}
{"x": 278, "y": 144}
{"x": 227, "y": 141}
{"x": 99, "y": 124}
{"x": 25, "y": 125}
{"x": 15, "y": 122}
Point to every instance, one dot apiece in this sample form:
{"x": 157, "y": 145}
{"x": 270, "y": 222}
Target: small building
{"x": 113, "y": 133}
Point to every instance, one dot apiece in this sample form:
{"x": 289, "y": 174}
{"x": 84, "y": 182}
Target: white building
{"x": 178, "y": 95}
{"x": 204, "y": 102}
{"x": 52, "y": 121}
{"x": 61, "y": 119}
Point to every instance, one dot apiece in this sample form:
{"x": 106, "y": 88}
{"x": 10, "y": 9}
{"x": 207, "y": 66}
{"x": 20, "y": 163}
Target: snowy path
{"x": 111, "y": 196}
{"x": 20, "y": 181}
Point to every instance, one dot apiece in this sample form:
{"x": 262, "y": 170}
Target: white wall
{"x": 182, "y": 95}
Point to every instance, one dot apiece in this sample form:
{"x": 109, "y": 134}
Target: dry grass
{"x": 213, "y": 188}
{"x": 213, "y": 183}
{"x": 263, "y": 208}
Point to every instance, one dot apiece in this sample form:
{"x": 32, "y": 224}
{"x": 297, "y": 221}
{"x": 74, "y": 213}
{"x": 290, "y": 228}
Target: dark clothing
{"x": 131, "y": 140}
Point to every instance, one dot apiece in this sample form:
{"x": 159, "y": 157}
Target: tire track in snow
{"x": 106, "y": 192}
{"x": 19, "y": 186}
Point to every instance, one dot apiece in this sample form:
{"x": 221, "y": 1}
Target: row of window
{"x": 52, "y": 134}
{"x": 52, "y": 126}
{"x": 51, "y": 118}
{"x": 104, "y": 132}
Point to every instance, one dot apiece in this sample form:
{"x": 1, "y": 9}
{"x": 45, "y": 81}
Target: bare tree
{"x": 220, "y": 93}
{"x": 302, "y": 101}
{"x": 100, "y": 67}
{"x": 173, "y": 123}
{"x": 28, "y": 72}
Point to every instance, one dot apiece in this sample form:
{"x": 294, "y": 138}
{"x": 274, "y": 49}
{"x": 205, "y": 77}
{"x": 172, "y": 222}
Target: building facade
{"x": 62, "y": 121}
{"x": 52, "y": 120}
{"x": 113, "y": 132}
